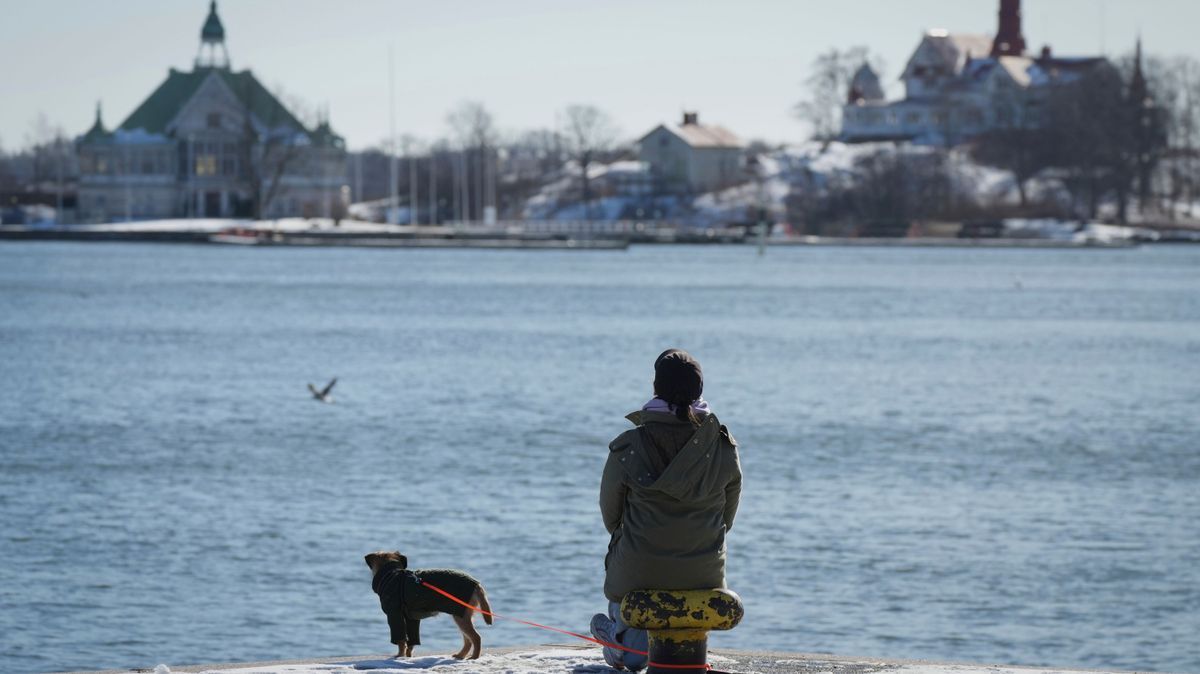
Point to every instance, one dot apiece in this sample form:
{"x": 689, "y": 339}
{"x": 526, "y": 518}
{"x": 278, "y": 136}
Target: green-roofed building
{"x": 211, "y": 142}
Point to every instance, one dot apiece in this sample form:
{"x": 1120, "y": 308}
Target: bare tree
{"x": 1176, "y": 89}
{"x": 1091, "y": 132}
{"x": 529, "y": 161}
{"x": 7, "y": 179}
{"x": 1187, "y": 130}
{"x": 47, "y": 143}
{"x": 268, "y": 148}
{"x": 589, "y": 130}
{"x": 545, "y": 147}
{"x": 898, "y": 188}
{"x": 475, "y": 130}
{"x": 828, "y": 82}
{"x": 1014, "y": 144}
{"x": 890, "y": 190}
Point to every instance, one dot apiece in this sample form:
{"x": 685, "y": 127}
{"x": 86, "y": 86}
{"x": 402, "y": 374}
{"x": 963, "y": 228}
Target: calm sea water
{"x": 948, "y": 454}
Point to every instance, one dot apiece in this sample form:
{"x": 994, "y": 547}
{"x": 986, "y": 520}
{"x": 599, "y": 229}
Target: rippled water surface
{"x": 949, "y": 454}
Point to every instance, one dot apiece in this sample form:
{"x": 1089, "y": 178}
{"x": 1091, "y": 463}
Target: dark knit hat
{"x": 677, "y": 377}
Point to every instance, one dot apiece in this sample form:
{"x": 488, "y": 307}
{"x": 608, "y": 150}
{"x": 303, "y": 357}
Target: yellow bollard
{"x": 678, "y": 622}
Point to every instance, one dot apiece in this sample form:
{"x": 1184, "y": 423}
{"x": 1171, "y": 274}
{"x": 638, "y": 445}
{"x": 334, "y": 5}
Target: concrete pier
{"x": 571, "y": 658}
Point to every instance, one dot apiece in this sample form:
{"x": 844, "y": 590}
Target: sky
{"x": 740, "y": 64}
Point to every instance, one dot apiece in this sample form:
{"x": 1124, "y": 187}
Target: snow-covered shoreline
{"x": 1016, "y": 233}
{"x": 561, "y": 659}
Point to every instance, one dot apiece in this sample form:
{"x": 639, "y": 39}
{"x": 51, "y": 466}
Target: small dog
{"x": 406, "y": 601}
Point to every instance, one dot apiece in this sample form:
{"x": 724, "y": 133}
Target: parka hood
{"x": 693, "y": 475}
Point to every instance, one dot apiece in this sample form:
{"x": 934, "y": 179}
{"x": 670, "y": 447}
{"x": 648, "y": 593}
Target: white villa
{"x": 692, "y": 157}
{"x": 211, "y": 142}
{"x": 960, "y": 85}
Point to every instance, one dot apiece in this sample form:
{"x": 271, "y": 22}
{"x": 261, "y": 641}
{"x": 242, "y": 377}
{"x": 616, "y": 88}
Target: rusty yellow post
{"x": 678, "y": 622}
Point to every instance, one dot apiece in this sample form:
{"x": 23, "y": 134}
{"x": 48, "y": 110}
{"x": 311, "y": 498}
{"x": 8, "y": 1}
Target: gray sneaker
{"x": 604, "y": 629}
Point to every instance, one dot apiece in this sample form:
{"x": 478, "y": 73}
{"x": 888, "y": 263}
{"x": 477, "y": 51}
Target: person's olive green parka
{"x": 669, "y": 494}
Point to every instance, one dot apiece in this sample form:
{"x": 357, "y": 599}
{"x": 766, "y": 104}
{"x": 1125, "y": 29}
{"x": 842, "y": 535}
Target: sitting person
{"x": 668, "y": 496}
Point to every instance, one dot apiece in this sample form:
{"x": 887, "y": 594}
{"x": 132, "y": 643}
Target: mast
{"x": 394, "y": 197}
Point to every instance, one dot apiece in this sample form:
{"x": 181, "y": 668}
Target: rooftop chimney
{"x": 691, "y": 118}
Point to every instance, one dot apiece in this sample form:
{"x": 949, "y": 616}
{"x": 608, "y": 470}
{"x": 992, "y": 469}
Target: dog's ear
{"x": 371, "y": 557}
{"x": 403, "y": 560}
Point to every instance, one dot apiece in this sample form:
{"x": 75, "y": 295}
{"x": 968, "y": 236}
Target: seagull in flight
{"x": 323, "y": 394}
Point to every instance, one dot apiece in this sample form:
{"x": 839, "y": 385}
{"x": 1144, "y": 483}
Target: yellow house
{"x": 693, "y": 157}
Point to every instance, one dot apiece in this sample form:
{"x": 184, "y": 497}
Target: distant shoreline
{"x": 500, "y": 240}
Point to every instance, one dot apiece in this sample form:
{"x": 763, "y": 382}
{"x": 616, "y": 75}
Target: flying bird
{"x": 323, "y": 394}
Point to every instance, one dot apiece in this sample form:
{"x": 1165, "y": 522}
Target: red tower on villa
{"x": 960, "y": 86}
{"x": 1009, "y": 40}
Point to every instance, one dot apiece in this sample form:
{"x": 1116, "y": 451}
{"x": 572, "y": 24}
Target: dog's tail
{"x": 483, "y": 604}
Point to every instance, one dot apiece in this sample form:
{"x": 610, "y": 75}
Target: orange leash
{"x": 560, "y": 631}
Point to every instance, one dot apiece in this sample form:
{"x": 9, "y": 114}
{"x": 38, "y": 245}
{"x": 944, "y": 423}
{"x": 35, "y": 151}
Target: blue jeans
{"x": 629, "y": 638}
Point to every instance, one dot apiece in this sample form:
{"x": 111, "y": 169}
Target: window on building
{"x": 206, "y": 165}
{"x": 912, "y": 118}
{"x": 214, "y": 120}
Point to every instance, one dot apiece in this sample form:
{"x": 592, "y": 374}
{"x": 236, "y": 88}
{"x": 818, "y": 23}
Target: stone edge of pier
{"x": 762, "y": 662}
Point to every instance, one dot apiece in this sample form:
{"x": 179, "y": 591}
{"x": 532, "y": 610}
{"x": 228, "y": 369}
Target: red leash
{"x": 560, "y": 631}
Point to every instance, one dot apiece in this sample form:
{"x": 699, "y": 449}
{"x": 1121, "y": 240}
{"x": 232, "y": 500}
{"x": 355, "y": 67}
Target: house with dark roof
{"x": 210, "y": 142}
{"x": 959, "y": 86}
{"x": 692, "y": 157}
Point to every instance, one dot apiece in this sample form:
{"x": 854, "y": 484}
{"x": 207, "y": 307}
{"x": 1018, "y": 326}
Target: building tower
{"x": 1139, "y": 90}
{"x": 1150, "y": 129}
{"x": 212, "y": 38}
{"x": 865, "y": 87}
{"x": 1009, "y": 40}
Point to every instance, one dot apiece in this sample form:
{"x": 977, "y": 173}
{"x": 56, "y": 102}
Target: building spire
{"x": 212, "y": 39}
{"x": 1009, "y": 40}
{"x": 1139, "y": 89}
{"x": 96, "y": 134}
